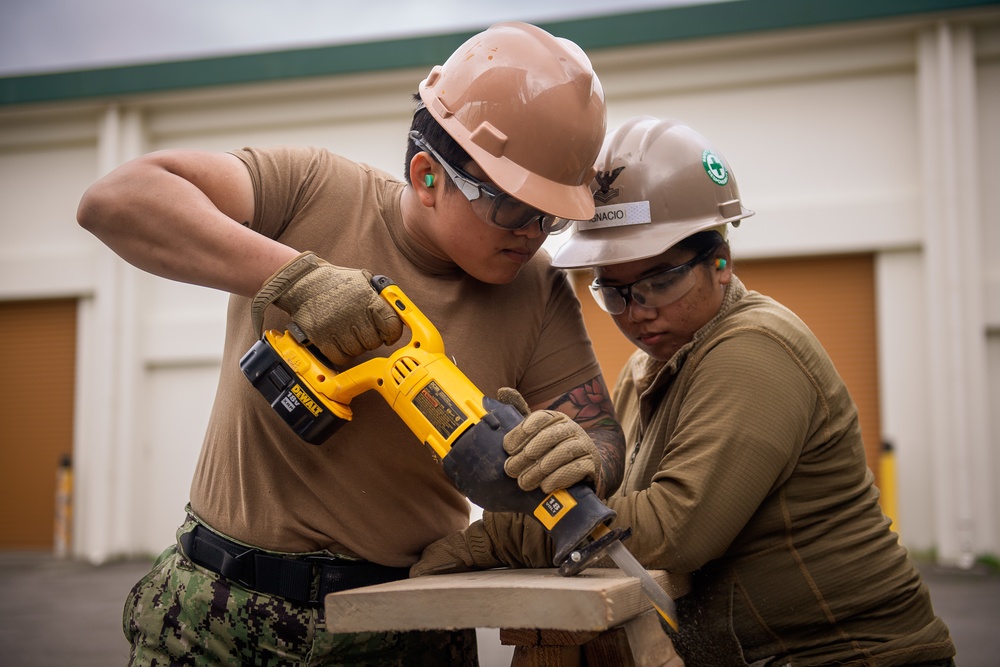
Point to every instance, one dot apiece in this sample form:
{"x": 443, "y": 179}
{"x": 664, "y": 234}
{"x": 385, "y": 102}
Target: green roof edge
{"x": 591, "y": 33}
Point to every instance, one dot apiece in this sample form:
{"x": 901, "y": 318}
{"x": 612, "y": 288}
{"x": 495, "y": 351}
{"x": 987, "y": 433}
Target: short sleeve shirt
{"x": 372, "y": 490}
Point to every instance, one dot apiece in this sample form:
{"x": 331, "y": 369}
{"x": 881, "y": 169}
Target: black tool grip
{"x": 475, "y": 465}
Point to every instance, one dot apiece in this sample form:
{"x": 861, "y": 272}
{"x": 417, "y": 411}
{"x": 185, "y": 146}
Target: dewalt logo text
{"x": 306, "y": 401}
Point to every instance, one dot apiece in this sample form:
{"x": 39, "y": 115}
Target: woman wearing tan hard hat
{"x": 746, "y": 467}
{"x": 745, "y": 478}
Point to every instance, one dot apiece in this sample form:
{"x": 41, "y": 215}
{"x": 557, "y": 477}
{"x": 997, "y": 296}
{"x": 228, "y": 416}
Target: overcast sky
{"x": 38, "y": 36}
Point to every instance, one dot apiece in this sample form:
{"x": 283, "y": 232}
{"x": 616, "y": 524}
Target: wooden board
{"x": 595, "y": 600}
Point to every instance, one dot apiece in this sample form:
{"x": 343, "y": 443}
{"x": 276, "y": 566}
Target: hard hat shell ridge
{"x": 658, "y": 182}
{"x": 529, "y": 109}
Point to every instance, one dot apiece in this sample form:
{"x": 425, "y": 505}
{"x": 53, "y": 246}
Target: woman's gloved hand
{"x": 464, "y": 551}
{"x": 548, "y": 450}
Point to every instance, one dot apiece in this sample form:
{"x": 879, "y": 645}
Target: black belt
{"x": 301, "y": 579}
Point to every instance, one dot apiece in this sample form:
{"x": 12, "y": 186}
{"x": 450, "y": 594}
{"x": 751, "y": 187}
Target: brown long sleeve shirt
{"x": 747, "y": 481}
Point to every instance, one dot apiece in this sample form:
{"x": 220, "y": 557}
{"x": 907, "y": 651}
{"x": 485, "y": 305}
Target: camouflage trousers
{"x": 183, "y": 614}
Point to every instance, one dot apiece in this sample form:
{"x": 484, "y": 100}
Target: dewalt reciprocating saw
{"x": 447, "y": 412}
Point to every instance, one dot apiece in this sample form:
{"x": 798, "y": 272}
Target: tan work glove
{"x": 336, "y": 308}
{"x": 548, "y": 450}
{"x": 470, "y": 549}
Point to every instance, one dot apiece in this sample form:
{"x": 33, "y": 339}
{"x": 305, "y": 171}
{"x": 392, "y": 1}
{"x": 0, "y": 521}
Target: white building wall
{"x": 987, "y": 86}
{"x": 954, "y": 289}
{"x": 830, "y": 132}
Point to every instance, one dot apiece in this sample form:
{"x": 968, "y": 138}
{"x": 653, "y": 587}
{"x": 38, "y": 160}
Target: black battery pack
{"x": 291, "y": 399}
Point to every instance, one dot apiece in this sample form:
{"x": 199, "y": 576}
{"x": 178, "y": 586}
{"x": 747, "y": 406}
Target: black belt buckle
{"x": 242, "y": 570}
{"x": 221, "y": 556}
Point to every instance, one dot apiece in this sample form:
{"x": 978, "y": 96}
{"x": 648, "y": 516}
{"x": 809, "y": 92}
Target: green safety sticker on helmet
{"x": 714, "y": 167}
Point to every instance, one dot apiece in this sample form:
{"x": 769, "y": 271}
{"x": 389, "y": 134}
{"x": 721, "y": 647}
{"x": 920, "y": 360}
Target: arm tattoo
{"x": 590, "y": 406}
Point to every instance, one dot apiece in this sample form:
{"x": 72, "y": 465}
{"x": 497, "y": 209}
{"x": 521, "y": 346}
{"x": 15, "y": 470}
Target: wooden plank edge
{"x": 595, "y": 600}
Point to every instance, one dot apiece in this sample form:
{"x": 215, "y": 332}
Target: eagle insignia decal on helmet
{"x": 605, "y": 179}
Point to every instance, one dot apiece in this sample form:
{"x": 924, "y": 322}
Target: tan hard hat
{"x": 529, "y": 109}
{"x": 658, "y": 182}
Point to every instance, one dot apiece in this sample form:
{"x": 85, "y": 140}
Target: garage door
{"x": 38, "y": 357}
{"x": 834, "y": 296}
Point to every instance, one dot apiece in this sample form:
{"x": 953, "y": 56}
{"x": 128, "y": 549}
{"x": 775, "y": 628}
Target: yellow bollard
{"x": 64, "y": 508}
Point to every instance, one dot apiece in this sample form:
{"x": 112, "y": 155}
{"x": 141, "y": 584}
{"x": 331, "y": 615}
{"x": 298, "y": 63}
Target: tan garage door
{"x": 834, "y": 296}
{"x": 38, "y": 358}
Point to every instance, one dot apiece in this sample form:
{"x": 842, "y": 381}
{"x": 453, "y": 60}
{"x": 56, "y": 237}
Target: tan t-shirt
{"x": 372, "y": 490}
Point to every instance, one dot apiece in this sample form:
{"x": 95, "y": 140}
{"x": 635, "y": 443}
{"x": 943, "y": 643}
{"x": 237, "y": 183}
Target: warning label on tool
{"x": 442, "y": 412}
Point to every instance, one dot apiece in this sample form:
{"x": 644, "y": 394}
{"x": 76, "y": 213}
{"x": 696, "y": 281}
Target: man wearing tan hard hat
{"x": 500, "y": 153}
{"x": 746, "y": 477}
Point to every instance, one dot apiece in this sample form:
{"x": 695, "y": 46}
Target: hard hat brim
{"x": 617, "y": 245}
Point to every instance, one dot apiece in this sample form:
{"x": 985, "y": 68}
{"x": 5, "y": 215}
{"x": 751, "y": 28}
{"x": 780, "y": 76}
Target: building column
{"x": 954, "y": 283}
{"x": 106, "y": 388}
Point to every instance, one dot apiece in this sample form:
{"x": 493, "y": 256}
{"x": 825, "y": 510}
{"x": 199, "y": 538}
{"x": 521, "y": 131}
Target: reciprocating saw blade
{"x": 624, "y": 559}
{"x": 609, "y": 541}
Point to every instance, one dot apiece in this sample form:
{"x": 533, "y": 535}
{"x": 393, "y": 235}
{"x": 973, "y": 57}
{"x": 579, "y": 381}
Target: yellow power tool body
{"x": 448, "y": 413}
{"x": 438, "y": 403}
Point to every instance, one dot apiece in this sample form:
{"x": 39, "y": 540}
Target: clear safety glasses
{"x": 491, "y": 204}
{"x": 655, "y": 291}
